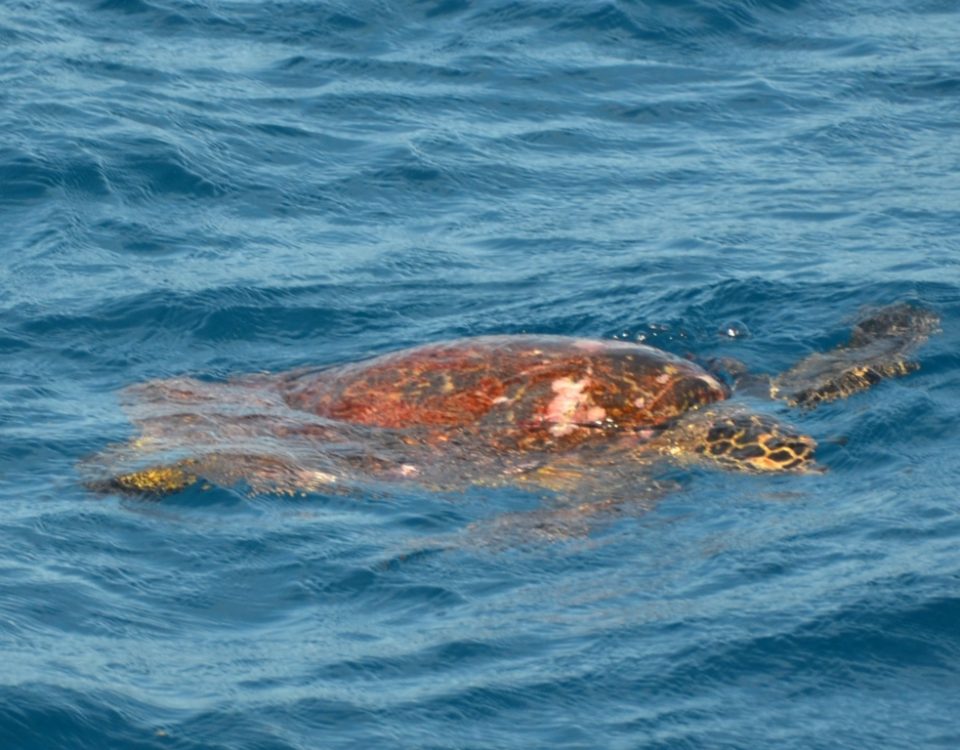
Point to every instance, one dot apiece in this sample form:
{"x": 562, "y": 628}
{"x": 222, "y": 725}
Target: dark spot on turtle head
{"x": 748, "y": 452}
{"x": 719, "y": 448}
{"x": 722, "y": 431}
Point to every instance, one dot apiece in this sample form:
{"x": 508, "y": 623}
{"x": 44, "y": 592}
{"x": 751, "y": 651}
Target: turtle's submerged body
{"x": 526, "y": 409}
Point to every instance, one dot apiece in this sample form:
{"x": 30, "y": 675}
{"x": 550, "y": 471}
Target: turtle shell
{"x": 509, "y": 392}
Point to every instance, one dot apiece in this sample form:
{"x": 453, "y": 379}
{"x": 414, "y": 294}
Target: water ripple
{"x": 221, "y": 187}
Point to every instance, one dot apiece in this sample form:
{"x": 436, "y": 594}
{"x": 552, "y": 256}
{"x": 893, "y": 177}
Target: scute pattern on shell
{"x": 510, "y": 393}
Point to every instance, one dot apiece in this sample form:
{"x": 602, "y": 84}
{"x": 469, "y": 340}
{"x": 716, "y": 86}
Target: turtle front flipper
{"x": 581, "y": 497}
{"x": 578, "y": 491}
{"x": 878, "y": 348}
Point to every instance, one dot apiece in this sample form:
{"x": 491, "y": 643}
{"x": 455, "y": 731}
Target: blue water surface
{"x": 212, "y": 187}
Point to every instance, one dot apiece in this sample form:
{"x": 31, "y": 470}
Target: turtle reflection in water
{"x": 586, "y": 419}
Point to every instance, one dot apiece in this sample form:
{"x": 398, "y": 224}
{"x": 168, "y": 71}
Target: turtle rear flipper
{"x": 878, "y": 348}
{"x": 152, "y": 482}
{"x": 260, "y": 474}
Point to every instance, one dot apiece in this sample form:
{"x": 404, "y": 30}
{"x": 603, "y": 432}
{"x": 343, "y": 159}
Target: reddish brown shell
{"x": 509, "y": 392}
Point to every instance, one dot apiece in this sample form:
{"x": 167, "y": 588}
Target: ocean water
{"x": 215, "y": 187}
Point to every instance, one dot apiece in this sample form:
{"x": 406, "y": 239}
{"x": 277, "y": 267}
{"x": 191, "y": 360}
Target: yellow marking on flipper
{"x": 162, "y": 480}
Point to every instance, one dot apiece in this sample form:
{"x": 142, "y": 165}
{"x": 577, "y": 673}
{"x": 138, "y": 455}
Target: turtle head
{"x": 746, "y": 442}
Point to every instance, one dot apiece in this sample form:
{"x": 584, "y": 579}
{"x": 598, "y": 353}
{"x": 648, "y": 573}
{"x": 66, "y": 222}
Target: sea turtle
{"x": 578, "y": 416}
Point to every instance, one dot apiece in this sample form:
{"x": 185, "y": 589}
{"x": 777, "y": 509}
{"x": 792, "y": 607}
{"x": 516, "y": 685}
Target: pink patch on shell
{"x": 569, "y": 396}
{"x": 571, "y": 407}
